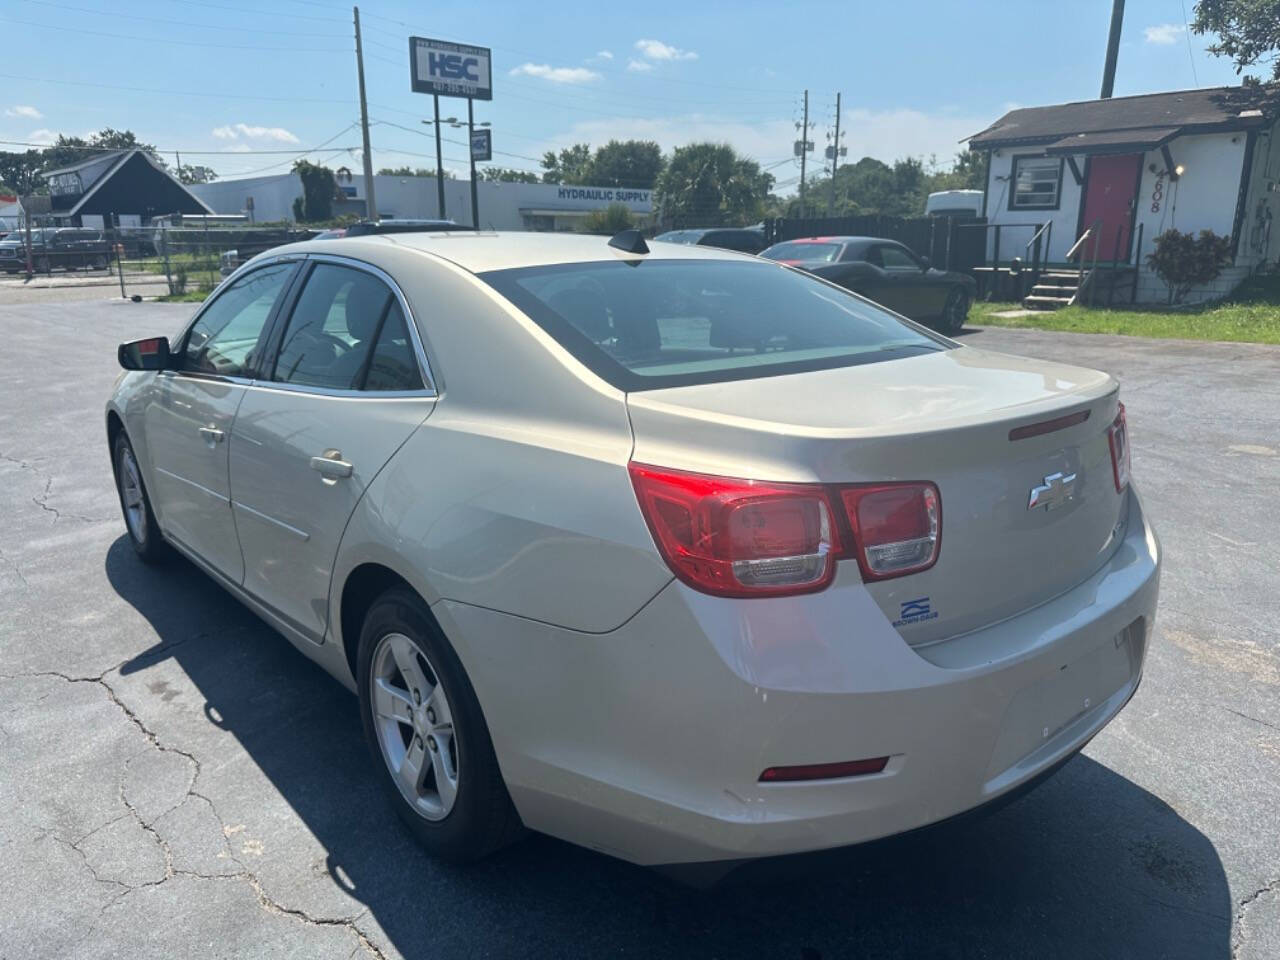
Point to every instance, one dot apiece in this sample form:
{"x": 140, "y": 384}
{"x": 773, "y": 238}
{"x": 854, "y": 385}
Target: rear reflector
{"x": 897, "y": 527}
{"x": 1048, "y": 426}
{"x": 824, "y": 771}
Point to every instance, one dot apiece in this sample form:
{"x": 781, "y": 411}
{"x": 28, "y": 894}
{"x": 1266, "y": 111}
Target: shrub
{"x": 1184, "y": 261}
{"x": 178, "y": 284}
{"x": 612, "y": 219}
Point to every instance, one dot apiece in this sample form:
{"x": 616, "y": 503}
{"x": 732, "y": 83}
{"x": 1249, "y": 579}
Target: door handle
{"x": 331, "y": 466}
{"x": 212, "y": 434}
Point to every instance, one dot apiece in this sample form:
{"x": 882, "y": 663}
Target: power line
{"x": 176, "y": 93}
{"x": 1187, "y": 25}
{"x": 258, "y": 11}
{"x": 116, "y": 15}
{"x": 163, "y": 40}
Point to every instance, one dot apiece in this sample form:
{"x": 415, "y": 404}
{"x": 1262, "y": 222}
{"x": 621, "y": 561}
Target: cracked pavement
{"x": 176, "y": 780}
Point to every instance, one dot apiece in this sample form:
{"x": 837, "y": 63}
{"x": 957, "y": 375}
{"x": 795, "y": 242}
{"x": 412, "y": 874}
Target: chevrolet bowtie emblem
{"x": 1056, "y": 490}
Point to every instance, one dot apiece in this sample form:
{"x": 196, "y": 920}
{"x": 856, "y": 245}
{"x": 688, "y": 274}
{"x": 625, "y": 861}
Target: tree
{"x": 626, "y": 163}
{"x": 411, "y": 172}
{"x": 968, "y": 173}
{"x": 708, "y": 184}
{"x": 194, "y": 173}
{"x": 571, "y": 165}
{"x": 1248, "y": 31}
{"x": 19, "y": 171}
{"x": 68, "y": 150}
{"x": 612, "y": 219}
{"x": 318, "y": 191}
{"x": 507, "y": 175}
{"x": 1184, "y": 261}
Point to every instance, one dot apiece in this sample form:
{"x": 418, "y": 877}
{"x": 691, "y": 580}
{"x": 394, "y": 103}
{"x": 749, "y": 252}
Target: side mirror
{"x": 925, "y": 263}
{"x": 149, "y": 354}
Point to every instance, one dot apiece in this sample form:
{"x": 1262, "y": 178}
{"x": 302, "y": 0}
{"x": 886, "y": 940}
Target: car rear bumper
{"x": 647, "y": 742}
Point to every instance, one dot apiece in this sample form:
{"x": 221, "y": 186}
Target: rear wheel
{"x": 424, "y": 726}
{"x": 139, "y": 519}
{"x": 955, "y": 311}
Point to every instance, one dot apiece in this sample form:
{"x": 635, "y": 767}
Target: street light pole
{"x": 370, "y": 203}
{"x": 471, "y": 154}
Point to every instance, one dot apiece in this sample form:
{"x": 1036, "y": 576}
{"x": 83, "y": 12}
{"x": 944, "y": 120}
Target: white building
{"x": 503, "y": 206}
{"x": 1119, "y": 172}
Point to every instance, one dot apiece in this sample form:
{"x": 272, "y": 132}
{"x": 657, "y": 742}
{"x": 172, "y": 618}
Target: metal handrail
{"x": 1083, "y": 237}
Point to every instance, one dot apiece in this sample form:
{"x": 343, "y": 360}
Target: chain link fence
{"x": 151, "y": 261}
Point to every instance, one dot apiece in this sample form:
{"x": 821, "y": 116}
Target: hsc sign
{"x": 450, "y": 69}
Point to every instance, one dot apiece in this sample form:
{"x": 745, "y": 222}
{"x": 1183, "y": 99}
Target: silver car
{"x": 676, "y": 553}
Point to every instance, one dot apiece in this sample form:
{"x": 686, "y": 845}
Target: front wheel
{"x": 955, "y": 311}
{"x": 429, "y": 740}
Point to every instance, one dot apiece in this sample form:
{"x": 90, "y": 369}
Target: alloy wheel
{"x": 135, "y": 507}
{"x": 414, "y": 725}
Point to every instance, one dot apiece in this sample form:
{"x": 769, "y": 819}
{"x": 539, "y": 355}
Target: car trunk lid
{"x": 945, "y": 417}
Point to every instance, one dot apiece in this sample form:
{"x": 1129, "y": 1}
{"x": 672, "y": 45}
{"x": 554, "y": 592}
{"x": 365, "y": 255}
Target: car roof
{"x": 836, "y": 240}
{"x": 480, "y": 252}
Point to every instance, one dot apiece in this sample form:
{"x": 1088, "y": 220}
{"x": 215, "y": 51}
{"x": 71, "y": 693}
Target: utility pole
{"x": 1113, "y": 49}
{"x": 370, "y": 202}
{"x": 435, "y": 99}
{"x": 471, "y": 155}
{"x": 835, "y": 161}
{"x": 804, "y": 149}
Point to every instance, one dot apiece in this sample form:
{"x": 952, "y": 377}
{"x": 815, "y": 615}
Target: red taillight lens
{"x": 1118, "y": 438}
{"x": 824, "y": 771}
{"x": 739, "y": 538}
{"x": 897, "y": 527}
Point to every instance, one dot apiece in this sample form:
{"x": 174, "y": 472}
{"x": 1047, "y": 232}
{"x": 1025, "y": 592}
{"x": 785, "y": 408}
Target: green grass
{"x": 188, "y": 296}
{"x": 1250, "y": 315}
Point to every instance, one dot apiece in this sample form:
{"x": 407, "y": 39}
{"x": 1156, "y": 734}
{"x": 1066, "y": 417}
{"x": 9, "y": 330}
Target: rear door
{"x": 188, "y": 413}
{"x": 345, "y": 386}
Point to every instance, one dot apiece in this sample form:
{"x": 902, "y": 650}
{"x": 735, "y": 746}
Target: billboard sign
{"x": 481, "y": 146}
{"x": 450, "y": 69}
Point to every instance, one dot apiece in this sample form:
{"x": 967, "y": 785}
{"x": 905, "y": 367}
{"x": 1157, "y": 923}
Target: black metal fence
{"x": 938, "y": 238}
{"x": 147, "y": 261}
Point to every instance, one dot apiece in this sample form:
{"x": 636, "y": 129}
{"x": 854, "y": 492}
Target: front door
{"x": 343, "y": 393}
{"x": 189, "y": 414}
{"x": 1110, "y": 196}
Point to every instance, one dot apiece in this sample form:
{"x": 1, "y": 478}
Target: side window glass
{"x": 394, "y": 365}
{"x": 896, "y": 258}
{"x": 225, "y": 338}
{"x": 873, "y": 256}
{"x": 332, "y": 328}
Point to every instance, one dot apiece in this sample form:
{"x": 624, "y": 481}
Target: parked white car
{"x": 679, "y": 554}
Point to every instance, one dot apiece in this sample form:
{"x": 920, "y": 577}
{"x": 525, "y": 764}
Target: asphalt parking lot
{"x": 175, "y": 780}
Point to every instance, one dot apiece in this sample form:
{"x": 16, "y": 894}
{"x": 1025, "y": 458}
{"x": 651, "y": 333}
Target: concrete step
{"x": 1034, "y": 302}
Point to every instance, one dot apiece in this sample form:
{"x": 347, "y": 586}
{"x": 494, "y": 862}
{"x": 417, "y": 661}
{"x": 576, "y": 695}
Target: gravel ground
{"x": 175, "y": 780}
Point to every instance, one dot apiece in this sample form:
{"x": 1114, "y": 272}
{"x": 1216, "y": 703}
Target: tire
{"x": 423, "y": 739}
{"x": 135, "y": 504}
{"x": 955, "y": 311}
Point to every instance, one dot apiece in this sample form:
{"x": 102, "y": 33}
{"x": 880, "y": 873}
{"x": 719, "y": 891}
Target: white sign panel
{"x": 450, "y": 69}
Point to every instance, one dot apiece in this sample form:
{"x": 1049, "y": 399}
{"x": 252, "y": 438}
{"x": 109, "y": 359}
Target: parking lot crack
{"x": 42, "y": 502}
{"x": 1267, "y": 888}
{"x": 17, "y": 570}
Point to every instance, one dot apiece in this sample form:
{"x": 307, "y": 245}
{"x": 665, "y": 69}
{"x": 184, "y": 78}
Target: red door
{"x": 1110, "y": 193}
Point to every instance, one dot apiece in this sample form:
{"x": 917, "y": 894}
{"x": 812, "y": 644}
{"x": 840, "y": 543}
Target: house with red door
{"x": 1076, "y": 193}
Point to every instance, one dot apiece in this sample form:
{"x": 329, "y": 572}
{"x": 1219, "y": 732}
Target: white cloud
{"x": 657, "y": 50}
{"x": 1164, "y": 34}
{"x": 545, "y": 71}
{"x": 19, "y": 110}
{"x": 235, "y": 131}
{"x": 238, "y": 148}
{"x": 639, "y": 66}
{"x": 604, "y": 55}
{"x": 42, "y": 135}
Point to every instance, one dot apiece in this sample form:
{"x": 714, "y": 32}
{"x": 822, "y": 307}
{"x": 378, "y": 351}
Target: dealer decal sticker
{"x": 915, "y": 611}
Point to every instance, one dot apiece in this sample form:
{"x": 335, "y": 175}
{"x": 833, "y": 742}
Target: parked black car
{"x": 64, "y": 248}
{"x": 888, "y": 273}
{"x": 743, "y": 239}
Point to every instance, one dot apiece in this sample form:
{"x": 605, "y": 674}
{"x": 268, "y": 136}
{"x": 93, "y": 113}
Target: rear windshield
{"x": 803, "y": 251}
{"x": 660, "y": 323}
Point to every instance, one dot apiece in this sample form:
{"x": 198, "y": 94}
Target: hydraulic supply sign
{"x": 450, "y": 69}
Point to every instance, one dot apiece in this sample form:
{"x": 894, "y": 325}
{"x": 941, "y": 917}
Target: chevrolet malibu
{"x": 676, "y": 553}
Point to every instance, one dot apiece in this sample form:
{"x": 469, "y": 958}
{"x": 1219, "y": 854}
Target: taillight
{"x": 747, "y": 538}
{"x": 1118, "y": 438}
{"x": 739, "y": 538}
{"x": 897, "y": 527}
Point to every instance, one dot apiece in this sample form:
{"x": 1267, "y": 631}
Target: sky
{"x": 246, "y": 87}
